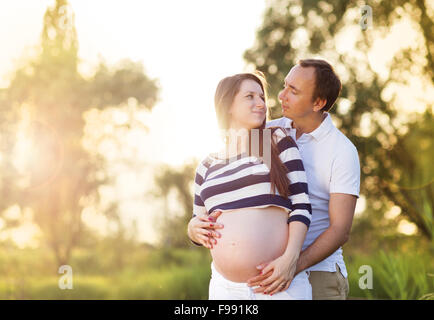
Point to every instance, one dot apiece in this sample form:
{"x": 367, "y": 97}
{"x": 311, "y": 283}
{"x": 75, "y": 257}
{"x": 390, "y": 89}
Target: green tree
{"x": 173, "y": 226}
{"x": 60, "y": 176}
{"x": 391, "y": 166}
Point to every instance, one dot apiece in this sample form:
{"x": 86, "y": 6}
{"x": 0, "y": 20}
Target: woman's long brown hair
{"x": 225, "y": 94}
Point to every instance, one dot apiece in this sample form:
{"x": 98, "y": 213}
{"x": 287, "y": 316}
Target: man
{"x": 333, "y": 174}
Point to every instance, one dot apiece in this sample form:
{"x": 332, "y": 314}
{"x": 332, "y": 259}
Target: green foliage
{"x": 186, "y": 282}
{"x": 60, "y": 177}
{"x": 414, "y": 189}
{"x": 165, "y": 273}
{"x": 173, "y": 228}
{"x": 396, "y": 275}
{"x": 149, "y": 274}
{"x": 394, "y": 157}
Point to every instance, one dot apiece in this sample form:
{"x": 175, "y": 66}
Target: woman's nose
{"x": 260, "y": 103}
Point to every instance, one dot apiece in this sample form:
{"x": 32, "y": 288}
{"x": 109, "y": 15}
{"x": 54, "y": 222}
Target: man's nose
{"x": 281, "y": 95}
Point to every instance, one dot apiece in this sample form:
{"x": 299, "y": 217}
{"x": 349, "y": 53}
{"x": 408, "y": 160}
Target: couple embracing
{"x": 276, "y": 205}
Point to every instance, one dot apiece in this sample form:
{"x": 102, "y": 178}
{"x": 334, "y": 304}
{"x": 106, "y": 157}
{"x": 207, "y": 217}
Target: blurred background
{"x": 107, "y": 107}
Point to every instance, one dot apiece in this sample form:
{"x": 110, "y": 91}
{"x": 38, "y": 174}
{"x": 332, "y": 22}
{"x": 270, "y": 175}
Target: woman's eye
{"x": 250, "y": 95}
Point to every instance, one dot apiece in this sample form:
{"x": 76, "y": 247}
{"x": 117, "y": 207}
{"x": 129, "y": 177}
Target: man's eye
{"x": 250, "y": 95}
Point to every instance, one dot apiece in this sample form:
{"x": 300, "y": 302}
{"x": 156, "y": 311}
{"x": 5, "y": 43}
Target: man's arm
{"x": 341, "y": 212}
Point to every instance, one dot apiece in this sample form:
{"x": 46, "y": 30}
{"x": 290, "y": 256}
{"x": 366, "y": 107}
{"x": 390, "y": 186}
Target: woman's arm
{"x": 201, "y": 228}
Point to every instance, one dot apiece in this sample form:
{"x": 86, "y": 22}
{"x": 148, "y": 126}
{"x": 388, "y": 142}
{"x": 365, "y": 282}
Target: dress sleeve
{"x": 198, "y": 205}
{"x": 298, "y": 189}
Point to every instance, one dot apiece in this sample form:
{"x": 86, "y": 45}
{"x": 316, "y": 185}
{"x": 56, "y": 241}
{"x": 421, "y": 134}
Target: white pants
{"x": 221, "y": 288}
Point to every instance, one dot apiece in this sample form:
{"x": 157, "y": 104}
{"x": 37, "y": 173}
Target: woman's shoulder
{"x": 281, "y": 137}
{"x": 204, "y": 164}
{"x": 280, "y": 133}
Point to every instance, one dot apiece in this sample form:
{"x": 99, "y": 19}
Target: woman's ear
{"x": 230, "y": 110}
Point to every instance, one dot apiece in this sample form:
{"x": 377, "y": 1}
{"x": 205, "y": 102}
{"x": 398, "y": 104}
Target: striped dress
{"x": 244, "y": 182}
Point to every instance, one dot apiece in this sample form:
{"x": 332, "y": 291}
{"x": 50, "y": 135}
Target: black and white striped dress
{"x": 244, "y": 182}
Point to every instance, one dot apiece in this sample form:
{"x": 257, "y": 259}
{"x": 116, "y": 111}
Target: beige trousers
{"x": 329, "y": 285}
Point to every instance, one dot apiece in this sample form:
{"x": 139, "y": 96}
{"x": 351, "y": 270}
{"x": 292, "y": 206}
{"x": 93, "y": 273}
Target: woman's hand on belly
{"x": 201, "y": 229}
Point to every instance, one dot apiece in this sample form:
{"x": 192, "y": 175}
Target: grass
{"x": 396, "y": 275}
{"x": 158, "y": 274}
{"x": 183, "y": 274}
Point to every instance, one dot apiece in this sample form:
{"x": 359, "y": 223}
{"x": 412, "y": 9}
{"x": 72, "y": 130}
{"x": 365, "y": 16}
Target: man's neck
{"x": 307, "y": 124}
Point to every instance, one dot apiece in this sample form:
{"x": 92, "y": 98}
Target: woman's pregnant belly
{"x": 250, "y": 237}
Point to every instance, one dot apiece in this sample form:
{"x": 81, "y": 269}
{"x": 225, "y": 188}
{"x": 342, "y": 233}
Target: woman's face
{"x": 248, "y": 109}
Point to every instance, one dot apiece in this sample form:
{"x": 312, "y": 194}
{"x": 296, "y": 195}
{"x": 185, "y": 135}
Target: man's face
{"x": 296, "y": 96}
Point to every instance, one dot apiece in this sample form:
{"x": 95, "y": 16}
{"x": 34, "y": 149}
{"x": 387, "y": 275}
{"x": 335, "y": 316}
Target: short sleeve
{"x": 298, "y": 188}
{"x": 198, "y": 205}
{"x": 345, "y": 177}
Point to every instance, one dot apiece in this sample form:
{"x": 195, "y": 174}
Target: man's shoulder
{"x": 343, "y": 142}
{"x": 340, "y": 146}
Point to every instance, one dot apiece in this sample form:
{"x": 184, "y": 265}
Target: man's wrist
{"x": 300, "y": 266}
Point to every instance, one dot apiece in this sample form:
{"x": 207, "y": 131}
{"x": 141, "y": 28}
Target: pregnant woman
{"x": 258, "y": 187}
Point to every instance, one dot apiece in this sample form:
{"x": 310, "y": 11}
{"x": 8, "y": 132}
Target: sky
{"x": 187, "y": 45}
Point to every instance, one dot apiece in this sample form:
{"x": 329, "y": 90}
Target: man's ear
{"x": 319, "y": 104}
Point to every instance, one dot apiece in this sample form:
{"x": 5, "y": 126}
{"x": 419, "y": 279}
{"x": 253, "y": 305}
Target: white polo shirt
{"x": 332, "y": 165}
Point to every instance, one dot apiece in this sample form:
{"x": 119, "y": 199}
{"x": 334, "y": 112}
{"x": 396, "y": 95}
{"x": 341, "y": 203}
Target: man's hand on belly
{"x": 256, "y": 281}
{"x": 278, "y": 275}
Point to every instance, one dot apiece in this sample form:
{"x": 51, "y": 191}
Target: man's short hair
{"x": 327, "y": 83}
